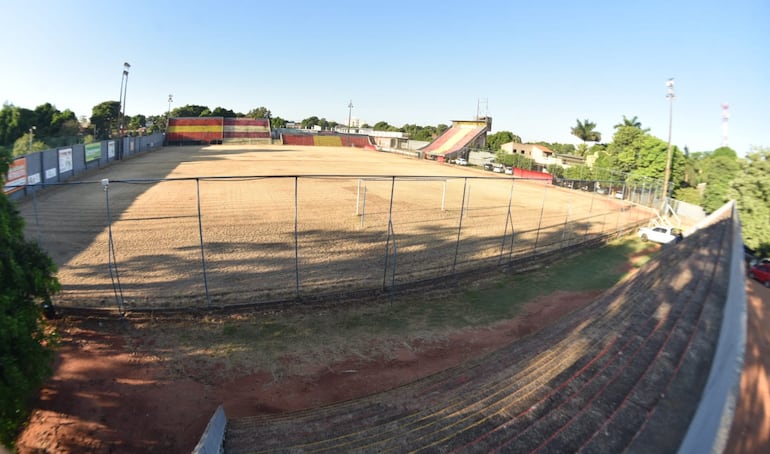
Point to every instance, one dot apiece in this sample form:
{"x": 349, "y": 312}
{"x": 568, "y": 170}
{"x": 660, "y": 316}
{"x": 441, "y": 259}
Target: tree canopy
{"x": 751, "y": 190}
{"x": 26, "y": 346}
{"x": 585, "y": 131}
{"x": 497, "y": 140}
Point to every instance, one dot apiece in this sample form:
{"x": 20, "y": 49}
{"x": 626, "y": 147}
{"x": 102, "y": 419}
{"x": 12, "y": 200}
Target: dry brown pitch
{"x": 278, "y": 222}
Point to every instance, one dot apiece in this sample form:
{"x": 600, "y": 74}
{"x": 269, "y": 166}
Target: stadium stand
{"x": 246, "y": 129}
{"x": 625, "y": 373}
{"x": 462, "y": 136}
{"x": 195, "y": 130}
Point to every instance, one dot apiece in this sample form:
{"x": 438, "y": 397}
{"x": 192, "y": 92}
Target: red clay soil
{"x": 751, "y": 427}
{"x": 105, "y": 398}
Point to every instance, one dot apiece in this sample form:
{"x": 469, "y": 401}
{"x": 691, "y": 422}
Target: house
{"x": 541, "y": 155}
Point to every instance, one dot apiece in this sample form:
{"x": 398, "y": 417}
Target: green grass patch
{"x": 327, "y": 335}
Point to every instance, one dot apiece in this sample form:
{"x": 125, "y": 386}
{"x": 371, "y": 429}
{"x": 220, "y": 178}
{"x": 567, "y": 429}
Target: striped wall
{"x": 194, "y": 129}
{"x": 217, "y": 129}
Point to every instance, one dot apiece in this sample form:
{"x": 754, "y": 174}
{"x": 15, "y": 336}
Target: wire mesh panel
{"x": 158, "y": 235}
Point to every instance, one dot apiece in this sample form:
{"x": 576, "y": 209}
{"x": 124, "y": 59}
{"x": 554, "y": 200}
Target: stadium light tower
{"x": 122, "y": 99}
{"x": 31, "y": 135}
{"x": 168, "y": 114}
{"x": 350, "y": 112}
{"x": 667, "y": 175}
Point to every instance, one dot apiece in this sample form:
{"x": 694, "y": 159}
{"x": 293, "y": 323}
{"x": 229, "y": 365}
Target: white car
{"x": 498, "y": 168}
{"x": 660, "y": 234}
{"x": 461, "y": 162}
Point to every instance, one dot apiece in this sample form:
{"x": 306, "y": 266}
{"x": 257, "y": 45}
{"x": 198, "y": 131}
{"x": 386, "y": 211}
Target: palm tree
{"x": 585, "y": 131}
{"x": 633, "y": 122}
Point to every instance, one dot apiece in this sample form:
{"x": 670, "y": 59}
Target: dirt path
{"x": 104, "y": 397}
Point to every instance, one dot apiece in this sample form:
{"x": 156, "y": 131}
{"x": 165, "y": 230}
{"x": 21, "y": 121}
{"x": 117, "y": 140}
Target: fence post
{"x": 296, "y": 233}
{"x": 540, "y": 221}
{"x": 363, "y": 208}
{"x": 443, "y": 196}
{"x": 358, "y": 195}
{"x": 200, "y": 235}
{"x": 508, "y": 219}
{"x": 390, "y": 229}
{"x": 112, "y": 261}
{"x": 460, "y": 225}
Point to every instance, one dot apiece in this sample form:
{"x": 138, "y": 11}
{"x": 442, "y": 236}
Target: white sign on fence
{"x": 50, "y": 173}
{"x": 65, "y": 160}
{"x": 111, "y": 149}
{"x": 33, "y": 179}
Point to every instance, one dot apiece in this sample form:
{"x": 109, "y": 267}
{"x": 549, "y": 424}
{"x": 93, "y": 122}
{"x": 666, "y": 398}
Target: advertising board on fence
{"x": 65, "y": 160}
{"x": 111, "y": 149}
{"x": 93, "y": 151}
{"x": 17, "y": 176}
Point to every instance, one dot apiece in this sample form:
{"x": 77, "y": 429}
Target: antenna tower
{"x": 725, "y": 118}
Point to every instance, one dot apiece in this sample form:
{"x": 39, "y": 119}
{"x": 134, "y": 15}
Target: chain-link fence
{"x": 224, "y": 241}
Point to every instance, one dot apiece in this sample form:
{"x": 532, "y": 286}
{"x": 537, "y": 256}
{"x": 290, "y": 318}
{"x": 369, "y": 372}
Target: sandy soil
{"x": 751, "y": 427}
{"x": 106, "y": 396}
{"x": 193, "y": 241}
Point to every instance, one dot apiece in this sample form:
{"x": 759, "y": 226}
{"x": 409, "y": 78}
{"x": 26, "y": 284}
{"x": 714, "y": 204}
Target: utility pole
{"x": 168, "y": 114}
{"x": 350, "y": 112}
{"x": 31, "y": 135}
{"x": 667, "y": 175}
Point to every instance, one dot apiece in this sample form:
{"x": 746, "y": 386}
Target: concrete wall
{"x": 58, "y": 165}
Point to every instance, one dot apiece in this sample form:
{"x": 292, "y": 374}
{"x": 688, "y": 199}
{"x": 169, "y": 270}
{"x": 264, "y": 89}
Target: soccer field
{"x": 214, "y": 226}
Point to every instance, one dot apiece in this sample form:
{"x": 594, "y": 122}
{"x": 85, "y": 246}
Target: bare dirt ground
{"x": 232, "y": 224}
{"x": 751, "y": 428}
{"x": 113, "y": 392}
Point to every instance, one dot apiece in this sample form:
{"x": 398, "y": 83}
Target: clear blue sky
{"x": 536, "y": 66}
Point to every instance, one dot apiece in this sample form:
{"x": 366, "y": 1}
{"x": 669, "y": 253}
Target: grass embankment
{"x": 277, "y": 340}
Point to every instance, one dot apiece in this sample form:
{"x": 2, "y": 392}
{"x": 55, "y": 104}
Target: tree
{"x": 26, "y": 346}
{"x": 222, "y": 112}
{"x": 751, "y": 190}
{"x": 632, "y": 122}
{"x": 585, "y": 131}
{"x": 104, "y": 118}
{"x": 557, "y": 170}
{"x": 190, "y": 110}
{"x": 719, "y": 170}
{"x": 310, "y": 122}
{"x": 383, "y": 126}
{"x": 259, "y": 112}
{"x": 277, "y": 122}
{"x": 497, "y": 140}
{"x": 22, "y": 145}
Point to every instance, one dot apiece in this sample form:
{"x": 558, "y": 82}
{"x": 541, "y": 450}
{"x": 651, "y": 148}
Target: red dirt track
{"x": 106, "y": 398}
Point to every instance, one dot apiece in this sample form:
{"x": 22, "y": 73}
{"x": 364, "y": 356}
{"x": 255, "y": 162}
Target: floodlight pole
{"x": 31, "y": 135}
{"x": 667, "y": 175}
{"x": 350, "y": 113}
{"x": 122, "y": 101}
{"x": 168, "y": 114}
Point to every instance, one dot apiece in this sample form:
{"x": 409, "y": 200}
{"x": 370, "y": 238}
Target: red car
{"x": 761, "y": 272}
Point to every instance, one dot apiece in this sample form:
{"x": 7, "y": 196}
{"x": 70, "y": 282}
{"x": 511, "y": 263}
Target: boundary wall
{"x": 217, "y": 130}
{"x": 328, "y": 140}
{"x": 710, "y": 427}
{"x": 35, "y": 171}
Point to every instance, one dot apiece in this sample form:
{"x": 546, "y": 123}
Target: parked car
{"x": 498, "y": 168}
{"x": 508, "y": 170}
{"x": 761, "y": 272}
{"x": 488, "y": 166}
{"x": 661, "y": 234}
{"x": 461, "y": 162}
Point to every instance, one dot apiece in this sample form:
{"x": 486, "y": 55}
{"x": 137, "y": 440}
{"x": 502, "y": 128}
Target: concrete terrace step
{"x": 602, "y": 378}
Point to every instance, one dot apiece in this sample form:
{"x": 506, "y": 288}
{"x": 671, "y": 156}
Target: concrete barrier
{"x": 213, "y": 437}
{"x": 710, "y": 427}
